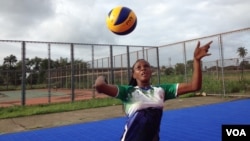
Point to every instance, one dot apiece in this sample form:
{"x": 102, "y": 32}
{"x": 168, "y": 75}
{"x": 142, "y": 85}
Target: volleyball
{"x": 121, "y": 20}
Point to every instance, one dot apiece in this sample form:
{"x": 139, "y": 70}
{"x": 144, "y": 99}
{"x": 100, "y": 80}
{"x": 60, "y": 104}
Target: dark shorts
{"x": 143, "y": 125}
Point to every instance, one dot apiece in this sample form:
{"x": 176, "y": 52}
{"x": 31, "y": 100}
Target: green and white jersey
{"x": 135, "y": 98}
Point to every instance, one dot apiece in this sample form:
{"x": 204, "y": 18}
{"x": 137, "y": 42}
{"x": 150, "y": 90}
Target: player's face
{"x": 142, "y": 71}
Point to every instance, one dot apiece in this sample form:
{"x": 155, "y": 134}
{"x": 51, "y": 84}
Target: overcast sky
{"x": 83, "y": 21}
{"x": 159, "y": 21}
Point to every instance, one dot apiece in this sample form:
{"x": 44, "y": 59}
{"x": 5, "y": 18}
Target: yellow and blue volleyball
{"x": 121, "y": 20}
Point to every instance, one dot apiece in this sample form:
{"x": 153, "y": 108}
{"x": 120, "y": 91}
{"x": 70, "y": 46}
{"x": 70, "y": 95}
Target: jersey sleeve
{"x": 123, "y": 92}
{"x": 170, "y": 90}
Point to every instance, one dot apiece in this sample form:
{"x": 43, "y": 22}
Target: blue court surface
{"x": 187, "y": 124}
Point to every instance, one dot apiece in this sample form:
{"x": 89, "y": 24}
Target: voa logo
{"x": 236, "y": 132}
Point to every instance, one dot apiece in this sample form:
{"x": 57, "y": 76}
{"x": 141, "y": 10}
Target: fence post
{"x": 185, "y": 61}
{"x": 72, "y": 73}
{"x": 128, "y": 64}
{"x": 23, "y": 73}
{"x": 111, "y": 64}
{"x": 143, "y": 55}
{"x": 158, "y": 65}
{"x": 121, "y": 73}
{"x": 222, "y": 64}
{"x": 93, "y": 63}
{"x": 49, "y": 76}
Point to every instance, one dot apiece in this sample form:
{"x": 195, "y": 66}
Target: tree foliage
{"x": 36, "y": 69}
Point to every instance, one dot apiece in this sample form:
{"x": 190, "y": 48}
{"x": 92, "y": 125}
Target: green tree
{"x": 190, "y": 66}
{"x": 33, "y": 67}
{"x": 9, "y": 69}
{"x": 169, "y": 71}
{"x": 242, "y": 52}
{"x": 10, "y": 61}
{"x": 180, "y": 68}
{"x": 35, "y": 64}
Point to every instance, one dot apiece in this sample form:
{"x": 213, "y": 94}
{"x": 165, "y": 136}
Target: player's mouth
{"x": 143, "y": 74}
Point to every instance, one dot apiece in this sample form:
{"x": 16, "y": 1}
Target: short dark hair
{"x": 133, "y": 81}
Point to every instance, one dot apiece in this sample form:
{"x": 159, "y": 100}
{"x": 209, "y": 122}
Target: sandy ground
{"x": 95, "y": 114}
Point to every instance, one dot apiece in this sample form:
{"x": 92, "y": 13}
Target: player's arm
{"x": 196, "y": 82}
{"x": 102, "y": 86}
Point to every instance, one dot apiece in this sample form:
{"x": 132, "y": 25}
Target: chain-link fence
{"x": 48, "y": 67}
{"x": 225, "y": 72}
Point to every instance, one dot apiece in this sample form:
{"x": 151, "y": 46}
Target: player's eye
{"x": 138, "y": 67}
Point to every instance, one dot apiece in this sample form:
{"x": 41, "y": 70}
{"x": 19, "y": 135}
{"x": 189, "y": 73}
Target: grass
{"x": 20, "y": 111}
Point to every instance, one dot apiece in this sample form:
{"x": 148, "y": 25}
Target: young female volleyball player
{"x": 144, "y": 102}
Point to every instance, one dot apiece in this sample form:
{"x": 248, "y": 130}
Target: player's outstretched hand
{"x": 202, "y": 51}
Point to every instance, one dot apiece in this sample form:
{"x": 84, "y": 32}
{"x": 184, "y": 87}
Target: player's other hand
{"x": 202, "y": 51}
